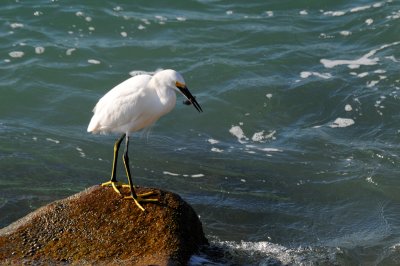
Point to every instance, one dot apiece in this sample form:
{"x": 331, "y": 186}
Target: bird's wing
{"x": 119, "y": 106}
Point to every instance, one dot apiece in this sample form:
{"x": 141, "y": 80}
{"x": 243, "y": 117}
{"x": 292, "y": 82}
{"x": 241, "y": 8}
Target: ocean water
{"x": 295, "y": 158}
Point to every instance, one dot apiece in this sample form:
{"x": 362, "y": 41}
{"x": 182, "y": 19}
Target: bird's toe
{"x": 115, "y": 185}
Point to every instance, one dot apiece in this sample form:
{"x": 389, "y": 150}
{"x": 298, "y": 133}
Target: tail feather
{"x": 93, "y": 125}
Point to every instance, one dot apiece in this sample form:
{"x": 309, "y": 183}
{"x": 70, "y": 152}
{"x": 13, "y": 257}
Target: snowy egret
{"x": 132, "y": 105}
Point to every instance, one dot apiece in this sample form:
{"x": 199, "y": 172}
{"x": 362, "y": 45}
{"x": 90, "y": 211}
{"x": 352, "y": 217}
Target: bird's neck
{"x": 167, "y": 97}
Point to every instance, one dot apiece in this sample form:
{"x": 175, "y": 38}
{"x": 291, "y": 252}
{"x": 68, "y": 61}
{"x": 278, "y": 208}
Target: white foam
{"x": 197, "y": 175}
{"x": 262, "y": 253}
{"x": 326, "y": 36}
{"x": 53, "y": 140}
{"x": 345, "y": 33}
{"x": 258, "y": 136}
{"x": 124, "y": 34}
{"x": 268, "y": 95}
{"x": 395, "y": 15}
{"x": 348, "y": 108}
{"x": 145, "y": 21}
{"x": 69, "y": 51}
{"x": 342, "y": 122}
{"x": 141, "y": 27}
{"x": 369, "y": 21}
{"x": 352, "y": 10}
{"x": 213, "y": 149}
{"x": 93, "y": 61}
{"x": 81, "y": 153}
{"x": 213, "y": 141}
{"x": 16, "y": 25}
{"x": 392, "y": 58}
{"x": 251, "y": 146}
{"x": 360, "y": 8}
{"x": 271, "y": 150}
{"x": 334, "y": 13}
{"x": 16, "y": 54}
{"x": 306, "y": 74}
{"x": 180, "y": 18}
{"x": 364, "y": 74}
{"x": 39, "y": 50}
{"x": 383, "y": 47}
{"x": 229, "y": 12}
{"x": 248, "y": 147}
{"x": 303, "y": 12}
{"x": 170, "y": 173}
{"x": 370, "y": 180}
{"x": 365, "y": 60}
{"x": 261, "y": 137}
{"x": 269, "y": 13}
{"x": 238, "y": 133}
{"x": 372, "y": 83}
{"x": 380, "y": 71}
{"x": 351, "y": 66}
{"x": 161, "y": 18}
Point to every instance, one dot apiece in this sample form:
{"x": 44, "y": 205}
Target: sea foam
{"x": 237, "y": 131}
{"x": 342, "y": 122}
{"x": 365, "y": 60}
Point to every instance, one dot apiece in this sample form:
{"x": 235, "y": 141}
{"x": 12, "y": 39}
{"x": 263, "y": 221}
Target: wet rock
{"x": 99, "y": 226}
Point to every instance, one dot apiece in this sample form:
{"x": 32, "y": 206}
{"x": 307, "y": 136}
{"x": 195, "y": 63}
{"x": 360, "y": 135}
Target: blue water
{"x": 295, "y": 157}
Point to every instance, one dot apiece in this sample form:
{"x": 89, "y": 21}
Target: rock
{"x": 97, "y": 226}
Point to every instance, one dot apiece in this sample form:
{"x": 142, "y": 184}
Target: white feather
{"x": 136, "y": 103}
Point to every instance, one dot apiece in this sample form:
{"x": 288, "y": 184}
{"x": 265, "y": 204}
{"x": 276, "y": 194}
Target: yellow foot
{"x": 141, "y": 198}
{"x": 114, "y": 185}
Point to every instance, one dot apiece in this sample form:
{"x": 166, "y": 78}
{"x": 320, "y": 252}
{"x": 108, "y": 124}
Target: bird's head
{"x": 177, "y": 82}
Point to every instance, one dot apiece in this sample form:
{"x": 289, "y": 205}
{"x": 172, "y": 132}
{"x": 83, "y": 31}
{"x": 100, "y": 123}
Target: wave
{"x": 264, "y": 253}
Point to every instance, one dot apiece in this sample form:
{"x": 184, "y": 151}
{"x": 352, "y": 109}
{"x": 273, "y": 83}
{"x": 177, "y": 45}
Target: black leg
{"x": 113, "y": 181}
{"x": 114, "y": 166}
{"x": 128, "y": 172}
{"x": 137, "y": 198}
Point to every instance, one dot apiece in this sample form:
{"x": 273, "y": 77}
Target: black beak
{"x": 190, "y": 98}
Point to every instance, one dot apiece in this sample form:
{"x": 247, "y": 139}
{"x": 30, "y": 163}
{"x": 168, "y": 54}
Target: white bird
{"x": 132, "y": 105}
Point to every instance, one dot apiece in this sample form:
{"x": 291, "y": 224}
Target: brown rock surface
{"x": 97, "y": 226}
